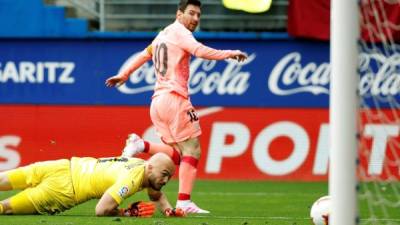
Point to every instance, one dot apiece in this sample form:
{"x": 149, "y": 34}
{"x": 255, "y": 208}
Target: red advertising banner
{"x": 237, "y": 143}
{"x": 311, "y": 19}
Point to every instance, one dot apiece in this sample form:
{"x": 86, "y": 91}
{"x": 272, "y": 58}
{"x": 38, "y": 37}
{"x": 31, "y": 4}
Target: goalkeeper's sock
{"x": 1, "y": 209}
{"x": 187, "y": 176}
{"x": 153, "y": 148}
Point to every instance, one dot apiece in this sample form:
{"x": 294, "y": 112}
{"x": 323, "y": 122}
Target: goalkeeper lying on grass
{"x": 54, "y": 186}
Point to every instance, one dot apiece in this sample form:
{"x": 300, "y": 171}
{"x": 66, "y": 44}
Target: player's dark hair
{"x": 184, "y": 3}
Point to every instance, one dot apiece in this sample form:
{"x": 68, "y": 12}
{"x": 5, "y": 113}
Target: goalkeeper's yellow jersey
{"x": 119, "y": 176}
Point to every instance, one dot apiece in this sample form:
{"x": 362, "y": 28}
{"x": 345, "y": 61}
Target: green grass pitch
{"x": 231, "y": 203}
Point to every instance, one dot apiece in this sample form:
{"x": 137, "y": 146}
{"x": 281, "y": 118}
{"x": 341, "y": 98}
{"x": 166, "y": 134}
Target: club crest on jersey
{"x": 123, "y": 191}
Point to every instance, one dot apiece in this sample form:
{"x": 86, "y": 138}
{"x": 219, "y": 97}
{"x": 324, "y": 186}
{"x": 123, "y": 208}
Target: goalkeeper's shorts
{"x": 48, "y": 186}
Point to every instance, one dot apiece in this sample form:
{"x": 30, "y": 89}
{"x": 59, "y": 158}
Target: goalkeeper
{"x": 51, "y": 187}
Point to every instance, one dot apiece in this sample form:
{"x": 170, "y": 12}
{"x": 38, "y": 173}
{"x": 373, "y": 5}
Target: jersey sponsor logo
{"x": 204, "y": 78}
{"x": 113, "y": 159}
{"x": 123, "y": 191}
{"x": 39, "y": 72}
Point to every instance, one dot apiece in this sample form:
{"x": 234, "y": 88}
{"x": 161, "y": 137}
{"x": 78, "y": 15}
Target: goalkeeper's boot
{"x": 134, "y": 145}
{"x": 190, "y": 207}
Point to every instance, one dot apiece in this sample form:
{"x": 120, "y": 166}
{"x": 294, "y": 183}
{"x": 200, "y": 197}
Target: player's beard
{"x": 154, "y": 185}
{"x": 192, "y": 27}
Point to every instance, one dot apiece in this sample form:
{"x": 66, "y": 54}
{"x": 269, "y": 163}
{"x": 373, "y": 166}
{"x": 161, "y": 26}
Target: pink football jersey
{"x": 171, "y": 51}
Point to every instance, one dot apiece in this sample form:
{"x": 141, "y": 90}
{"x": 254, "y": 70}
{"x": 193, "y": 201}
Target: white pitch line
{"x": 253, "y": 217}
{"x": 246, "y": 193}
{"x": 385, "y": 220}
{"x": 280, "y": 218}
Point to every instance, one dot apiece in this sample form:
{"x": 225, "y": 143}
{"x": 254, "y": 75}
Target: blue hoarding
{"x": 278, "y": 73}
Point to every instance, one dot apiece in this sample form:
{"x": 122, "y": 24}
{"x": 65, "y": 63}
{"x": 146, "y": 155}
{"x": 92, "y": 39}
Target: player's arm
{"x": 162, "y": 203}
{"x": 113, "y": 197}
{"x": 122, "y": 189}
{"x": 138, "y": 61}
{"x": 190, "y": 44}
{"x": 107, "y": 206}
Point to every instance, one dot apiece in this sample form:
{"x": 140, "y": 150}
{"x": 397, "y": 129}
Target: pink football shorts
{"x": 174, "y": 117}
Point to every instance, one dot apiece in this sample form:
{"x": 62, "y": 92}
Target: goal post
{"x": 343, "y": 111}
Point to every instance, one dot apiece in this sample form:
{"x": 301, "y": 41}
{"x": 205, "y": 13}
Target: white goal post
{"x": 343, "y": 111}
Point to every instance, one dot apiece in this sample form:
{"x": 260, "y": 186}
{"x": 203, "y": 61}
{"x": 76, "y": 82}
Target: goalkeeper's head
{"x": 159, "y": 170}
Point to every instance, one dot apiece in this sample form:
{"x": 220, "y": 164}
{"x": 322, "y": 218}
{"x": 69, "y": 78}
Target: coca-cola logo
{"x": 290, "y": 77}
{"x": 380, "y": 75}
{"x": 204, "y": 77}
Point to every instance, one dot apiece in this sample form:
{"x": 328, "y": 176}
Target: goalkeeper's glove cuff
{"x": 123, "y": 212}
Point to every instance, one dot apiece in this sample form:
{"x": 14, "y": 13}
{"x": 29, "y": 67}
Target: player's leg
{"x": 185, "y": 130}
{"x": 188, "y": 168}
{"x": 47, "y": 188}
{"x": 153, "y": 148}
{"x": 5, "y": 207}
{"x": 55, "y": 191}
{"x": 16, "y": 179}
{"x": 187, "y": 175}
{"x": 5, "y": 184}
{"x": 19, "y": 203}
{"x": 135, "y": 144}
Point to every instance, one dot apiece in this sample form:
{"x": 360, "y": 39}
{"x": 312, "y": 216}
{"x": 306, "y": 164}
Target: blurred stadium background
{"x": 265, "y": 122}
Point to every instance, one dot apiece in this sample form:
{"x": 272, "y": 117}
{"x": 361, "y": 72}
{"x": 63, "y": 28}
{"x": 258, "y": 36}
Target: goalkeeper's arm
{"x": 107, "y": 206}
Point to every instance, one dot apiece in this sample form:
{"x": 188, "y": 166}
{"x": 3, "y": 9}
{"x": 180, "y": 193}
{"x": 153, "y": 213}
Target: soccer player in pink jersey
{"x": 171, "y": 111}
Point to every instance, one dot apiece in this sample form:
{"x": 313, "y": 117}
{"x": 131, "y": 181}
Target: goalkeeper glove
{"x": 175, "y": 212}
{"x": 139, "y": 209}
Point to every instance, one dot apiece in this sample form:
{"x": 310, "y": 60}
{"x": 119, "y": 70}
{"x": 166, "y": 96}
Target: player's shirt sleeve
{"x": 127, "y": 185}
{"x": 139, "y": 60}
{"x": 190, "y": 44}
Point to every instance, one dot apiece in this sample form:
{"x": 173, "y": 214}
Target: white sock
{"x": 141, "y": 146}
{"x": 181, "y": 203}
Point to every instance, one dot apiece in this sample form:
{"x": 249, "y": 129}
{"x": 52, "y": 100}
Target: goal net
{"x": 379, "y": 114}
